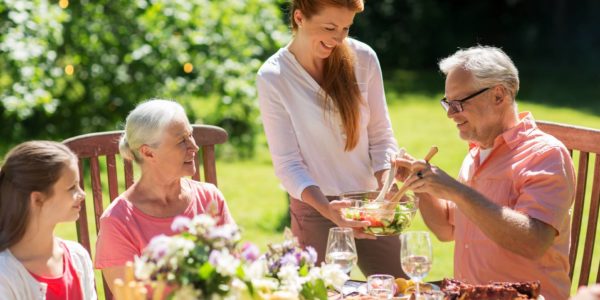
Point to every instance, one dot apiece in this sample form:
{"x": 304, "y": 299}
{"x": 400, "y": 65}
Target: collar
{"x": 513, "y": 136}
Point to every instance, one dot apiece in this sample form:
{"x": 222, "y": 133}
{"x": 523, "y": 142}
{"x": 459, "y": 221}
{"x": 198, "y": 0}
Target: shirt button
{"x": 467, "y": 246}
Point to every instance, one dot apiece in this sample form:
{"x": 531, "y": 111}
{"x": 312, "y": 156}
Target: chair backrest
{"x": 104, "y": 147}
{"x": 586, "y": 143}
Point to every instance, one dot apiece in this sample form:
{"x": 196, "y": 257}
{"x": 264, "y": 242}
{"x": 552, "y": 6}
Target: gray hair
{"x": 489, "y": 65}
{"x": 145, "y": 126}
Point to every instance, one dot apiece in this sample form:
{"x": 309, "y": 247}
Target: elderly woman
{"x": 158, "y": 137}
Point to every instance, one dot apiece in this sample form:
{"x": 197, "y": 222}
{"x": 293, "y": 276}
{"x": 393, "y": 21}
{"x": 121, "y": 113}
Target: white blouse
{"x": 307, "y": 143}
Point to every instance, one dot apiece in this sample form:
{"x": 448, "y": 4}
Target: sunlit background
{"x": 75, "y": 67}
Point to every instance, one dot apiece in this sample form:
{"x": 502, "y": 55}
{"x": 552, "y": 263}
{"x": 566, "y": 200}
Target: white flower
{"x": 225, "y": 263}
{"x": 158, "y": 246}
{"x": 181, "y": 223}
{"x": 256, "y": 269}
{"x": 239, "y": 291}
{"x": 265, "y": 285}
{"x": 200, "y": 223}
{"x": 283, "y": 295}
{"x": 333, "y": 276}
{"x": 290, "y": 280}
{"x": 181, "y": 246}
{"x": 187, "y": 292}
{"x": 222, "y": 236}
{"x": 165, "y": 251}
{"x": 143, "y": 268}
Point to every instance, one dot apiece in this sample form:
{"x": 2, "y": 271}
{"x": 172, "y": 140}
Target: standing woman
{"x": 39, "y": 188}
{"x": 324, "y": 112}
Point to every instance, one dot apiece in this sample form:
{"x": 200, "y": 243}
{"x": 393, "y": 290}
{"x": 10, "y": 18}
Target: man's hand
{"x": 427, "y": 178}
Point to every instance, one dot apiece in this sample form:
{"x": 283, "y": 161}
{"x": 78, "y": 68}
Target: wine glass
{"x": 341, "y": 249}
{"x": 381, "y": 286}
{"x": 415, "y": 255}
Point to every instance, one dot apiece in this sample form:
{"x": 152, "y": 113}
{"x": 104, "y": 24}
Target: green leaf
{"x": 320, "y": 290}
{"x": 206, "y": 271}
{"x": 303, "y": 270}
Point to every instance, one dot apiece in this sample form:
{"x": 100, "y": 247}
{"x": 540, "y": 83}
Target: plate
{"x": 353, "y": 287}
{"x": 362, "y": 289}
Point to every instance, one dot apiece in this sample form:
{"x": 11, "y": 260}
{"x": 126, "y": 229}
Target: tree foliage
{"x": 83, "y": 68}
{"x": 417, "y": 33}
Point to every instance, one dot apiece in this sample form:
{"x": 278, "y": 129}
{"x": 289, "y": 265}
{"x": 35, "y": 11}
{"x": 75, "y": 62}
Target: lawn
{"x": 259, "y": 204}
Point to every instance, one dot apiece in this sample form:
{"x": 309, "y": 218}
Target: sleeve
{"x": 283, "y": 143}
{"x": 547, "y": 187}
{"x": 114, "y": 246}
{"x": 381, "y": 135}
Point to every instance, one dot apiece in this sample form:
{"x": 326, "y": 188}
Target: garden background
{"x": 69, "y": 68}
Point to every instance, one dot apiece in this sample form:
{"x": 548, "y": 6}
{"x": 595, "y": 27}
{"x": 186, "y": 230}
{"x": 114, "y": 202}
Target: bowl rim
{"x": 415, "y": 199}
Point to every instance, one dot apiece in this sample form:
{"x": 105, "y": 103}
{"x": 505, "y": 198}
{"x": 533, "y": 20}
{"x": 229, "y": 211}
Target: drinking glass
{"x": 381, "y": 286}
{"x": 415, "y": 255}
{"x": 341, "y": 249}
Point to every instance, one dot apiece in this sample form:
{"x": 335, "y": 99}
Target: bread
{"x": 458, "y": 290}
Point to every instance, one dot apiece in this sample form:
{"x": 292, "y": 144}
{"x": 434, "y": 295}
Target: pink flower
{"x": 250, "y": 252}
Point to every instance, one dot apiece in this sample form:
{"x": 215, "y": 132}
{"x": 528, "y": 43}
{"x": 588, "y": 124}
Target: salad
{"x": 385, "y": 218}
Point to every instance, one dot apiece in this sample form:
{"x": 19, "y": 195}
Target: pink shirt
{"x": 125, "y": 230}
{"x": 532, "y": 173}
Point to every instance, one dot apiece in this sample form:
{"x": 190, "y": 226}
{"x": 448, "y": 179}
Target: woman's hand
{"x": 313, "y": 196}
{"x": 404, "y": 169}
{"x": 336, "y": 216}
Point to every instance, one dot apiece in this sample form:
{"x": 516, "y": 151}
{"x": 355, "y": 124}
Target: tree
{"x": 83, "y": 67}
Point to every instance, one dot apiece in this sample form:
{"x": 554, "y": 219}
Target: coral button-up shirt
{"x": 532, "y": 173}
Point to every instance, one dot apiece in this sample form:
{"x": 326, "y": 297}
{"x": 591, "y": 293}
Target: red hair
{"x": 339, "y": 86}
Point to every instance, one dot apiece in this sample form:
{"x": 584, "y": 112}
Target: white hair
{"x": 145, "y": 125}
{"x": 489, "y": 66}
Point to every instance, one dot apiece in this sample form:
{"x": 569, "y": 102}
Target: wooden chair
{"x": 94, "y": 146}
{"x": 586, "y": 142}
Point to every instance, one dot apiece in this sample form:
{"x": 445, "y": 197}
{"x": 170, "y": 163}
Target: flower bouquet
{"x": 204, "y": 261}
{"x": 293, "y": 273}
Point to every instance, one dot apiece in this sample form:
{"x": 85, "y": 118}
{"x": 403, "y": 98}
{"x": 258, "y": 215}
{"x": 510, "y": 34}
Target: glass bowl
{"x": 385, "y": 217}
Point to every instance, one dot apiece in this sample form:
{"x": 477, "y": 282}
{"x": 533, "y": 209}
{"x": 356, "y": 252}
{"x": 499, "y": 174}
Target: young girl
{"x": 39, "y": 187}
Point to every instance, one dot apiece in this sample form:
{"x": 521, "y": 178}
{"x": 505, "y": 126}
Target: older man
{"x": 508, "y": 212}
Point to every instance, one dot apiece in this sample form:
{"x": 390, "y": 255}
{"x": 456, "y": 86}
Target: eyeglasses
{"x": 457, "y": 105}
